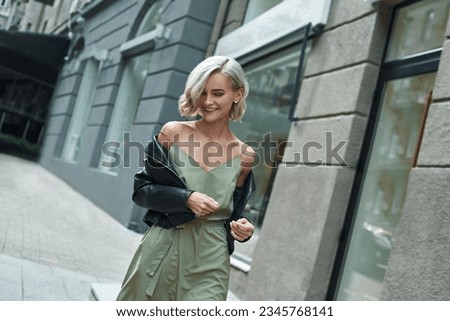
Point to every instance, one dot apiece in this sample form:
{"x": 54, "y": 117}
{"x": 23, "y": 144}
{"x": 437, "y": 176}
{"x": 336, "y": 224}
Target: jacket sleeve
{"x": 161, "y": 198}
{"x": 237, "y": 196}
{"x": 240, "y": 199}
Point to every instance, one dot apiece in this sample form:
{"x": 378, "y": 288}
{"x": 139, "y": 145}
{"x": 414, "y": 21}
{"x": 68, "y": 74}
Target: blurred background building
{"x": 348, "y": 112}
{"x": 33, "y": 44}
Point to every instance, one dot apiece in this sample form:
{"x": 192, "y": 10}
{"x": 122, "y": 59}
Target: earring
{"x": 236, "y": 101}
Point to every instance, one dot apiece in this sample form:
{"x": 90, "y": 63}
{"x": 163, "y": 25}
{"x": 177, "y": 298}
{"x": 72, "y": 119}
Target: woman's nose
{"x": 208, "y": 99}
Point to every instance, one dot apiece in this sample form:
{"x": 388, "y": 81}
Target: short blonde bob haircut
{"x": 195, "y": 84}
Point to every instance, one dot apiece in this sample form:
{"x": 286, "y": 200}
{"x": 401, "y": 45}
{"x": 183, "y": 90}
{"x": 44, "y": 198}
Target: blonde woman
{"x": 195, "y": 184}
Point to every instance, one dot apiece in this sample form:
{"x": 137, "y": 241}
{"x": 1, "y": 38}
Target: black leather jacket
{"x": 159, "y": 189}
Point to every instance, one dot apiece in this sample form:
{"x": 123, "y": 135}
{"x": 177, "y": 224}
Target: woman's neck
{"x": 215, "y": 131}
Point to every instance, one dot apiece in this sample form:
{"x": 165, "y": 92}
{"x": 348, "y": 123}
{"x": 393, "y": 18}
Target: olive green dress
{"x": 191, "y": 261}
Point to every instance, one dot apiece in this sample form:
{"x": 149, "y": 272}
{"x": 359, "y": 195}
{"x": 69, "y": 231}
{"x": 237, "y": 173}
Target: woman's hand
{"x": 201, "y": 204}
{"x": 241, "y": 229}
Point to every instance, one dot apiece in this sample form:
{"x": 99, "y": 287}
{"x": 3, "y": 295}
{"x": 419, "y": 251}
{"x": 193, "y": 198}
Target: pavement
{"x": 55, "y": 244}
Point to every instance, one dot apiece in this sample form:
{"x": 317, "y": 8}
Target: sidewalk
{"x": 54, "y": 243}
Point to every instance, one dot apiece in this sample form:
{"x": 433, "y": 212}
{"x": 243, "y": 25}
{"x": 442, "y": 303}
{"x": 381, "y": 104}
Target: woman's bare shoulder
{"x": 172, "y": 131}
{"x": 175, "y": 126}
{"x": 247, "y": 154}
{"x": 248, "y": 161}
{"x": 172, "y": 128}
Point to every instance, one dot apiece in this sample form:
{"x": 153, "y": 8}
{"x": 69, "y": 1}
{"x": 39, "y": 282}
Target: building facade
{"x": 29, "y": 66}
{"x": 347, "y": 112}
{"x": 45, "y": 16}
{"x": 126, "y": 67}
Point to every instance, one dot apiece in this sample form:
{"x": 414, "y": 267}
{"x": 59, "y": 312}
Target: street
{"x": 54, "y": 242}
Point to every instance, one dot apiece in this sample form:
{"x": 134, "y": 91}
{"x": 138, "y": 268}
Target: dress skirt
{"x": 187, "y": 263}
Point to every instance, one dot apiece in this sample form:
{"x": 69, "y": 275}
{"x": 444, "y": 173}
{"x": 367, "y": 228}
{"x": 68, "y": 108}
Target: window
{"x": 74, "y": 142}
{"x": 405, "y": 88}
{"x": 419, "y": 28}
{"x": 139, "y": 52}
{"x": 3, "y": 3}
{"x": 257, "y": 7}
{"x": 127, "y": 101}
{"x": 150, "y": 20}
{"x": 271, "y": 81}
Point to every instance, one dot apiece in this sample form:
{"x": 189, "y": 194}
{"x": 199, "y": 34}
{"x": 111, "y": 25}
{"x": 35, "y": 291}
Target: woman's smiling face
{"x": 218, "y": 97}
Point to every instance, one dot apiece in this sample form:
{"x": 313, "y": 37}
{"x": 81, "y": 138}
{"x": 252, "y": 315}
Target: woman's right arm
{"x": 151, "y": 195}
{"x": 169, "y": 199}
{"x": 161, "y": 198}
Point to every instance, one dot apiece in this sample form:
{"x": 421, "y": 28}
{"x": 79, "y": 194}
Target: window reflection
{"x": 419, "y": 28}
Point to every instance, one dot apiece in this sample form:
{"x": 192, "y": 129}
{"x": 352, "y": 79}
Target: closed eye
{"x": 215, "y": 93}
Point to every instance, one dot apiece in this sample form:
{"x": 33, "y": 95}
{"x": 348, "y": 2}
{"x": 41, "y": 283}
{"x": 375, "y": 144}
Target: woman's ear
{"x": 238, "y": 95}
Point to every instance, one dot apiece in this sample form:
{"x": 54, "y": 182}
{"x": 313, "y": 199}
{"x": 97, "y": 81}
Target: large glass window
{"x": 266, "y": 125}
{"x": 127, "y": 101}
{"x": 131, "y": 86}
{"x": 74, "y": 140}
{"x": 405, "y": 87}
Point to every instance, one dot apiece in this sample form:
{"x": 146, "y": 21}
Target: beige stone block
{"x": 359, "y": 41}
{"x": 331, "y": 141}
{"x": 345, "y": 91}
{"x": 442, "y": 84}
{"x": 343, "y": 11}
